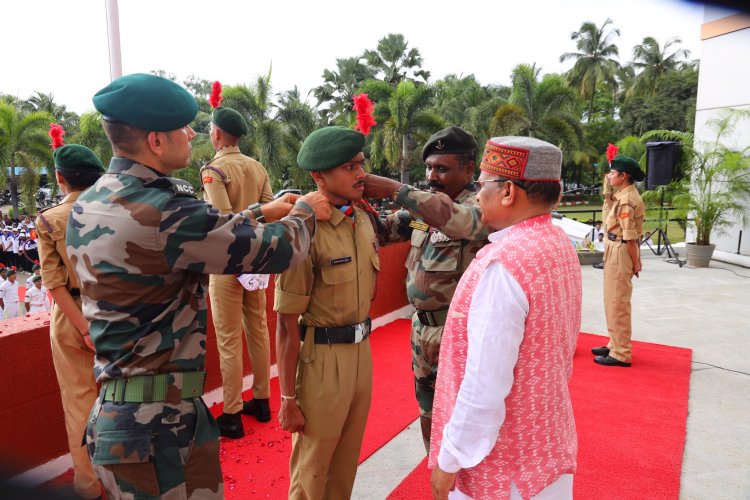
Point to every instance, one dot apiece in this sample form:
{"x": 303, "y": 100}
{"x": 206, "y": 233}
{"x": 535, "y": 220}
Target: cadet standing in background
{"x": 325, "y": 302}
{"x": 622, "y": 259}
{"x": 233, "y": 182}
{"x": 76, "y": 169}
{"x": 446, "y": 231}
{"x": 142, "y": 247}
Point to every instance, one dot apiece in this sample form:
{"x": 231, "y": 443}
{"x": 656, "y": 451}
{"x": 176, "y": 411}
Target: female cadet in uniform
{"x": 622, "y": 259}
{"x": 76, "y": 168}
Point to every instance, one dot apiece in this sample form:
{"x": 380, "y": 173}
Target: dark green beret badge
{"x": 148, "y": 102}
{"x": 451, "y": 140}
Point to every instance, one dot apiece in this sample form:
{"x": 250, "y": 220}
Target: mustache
{"x": 435, "y": 185}
{"x": 358, "y": 184}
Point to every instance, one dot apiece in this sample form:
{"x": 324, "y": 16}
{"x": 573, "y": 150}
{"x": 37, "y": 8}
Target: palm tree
{"x": 46, "y": 103}
{"x": 654, "y": 61}
{"x": 23, "y": 142}
{"x": 340, "y": 85}
{"x": 594, "y": 63}
{"x": 546, "y": 109}
{"x": 404, "y": 120}
{"x": 299, "y": 120}
{"x": 394, "y": 60}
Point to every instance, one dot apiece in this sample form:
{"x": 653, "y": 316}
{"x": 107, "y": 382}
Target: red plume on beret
{"x": 215, "y": 99}
{"x": 363, "y": 107}
{"x": 56, "y": 133}
{"x": 611, "y": 152}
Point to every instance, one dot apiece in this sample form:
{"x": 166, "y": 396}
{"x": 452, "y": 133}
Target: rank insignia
{"x": 419, "y": 226}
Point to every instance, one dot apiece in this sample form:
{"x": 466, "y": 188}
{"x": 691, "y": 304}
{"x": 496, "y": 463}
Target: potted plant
{"x": 715, "y": 187}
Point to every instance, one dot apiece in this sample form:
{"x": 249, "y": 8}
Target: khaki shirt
{"x": 51, "y": 225}
{"x": 335, "y": 285}
{"x": 239, "y": 182}
{"x": 625, "y": 218}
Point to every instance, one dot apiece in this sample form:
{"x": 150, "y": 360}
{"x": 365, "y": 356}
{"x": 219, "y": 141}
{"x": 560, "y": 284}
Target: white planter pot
{"x": 699, "y": 255}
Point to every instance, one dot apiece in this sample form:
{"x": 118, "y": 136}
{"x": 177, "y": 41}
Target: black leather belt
{"x": 432, "y": 318}
{"x": 339, "y": 334}
{"x": 75, "y": 292}
{"x": 613, "y": 237}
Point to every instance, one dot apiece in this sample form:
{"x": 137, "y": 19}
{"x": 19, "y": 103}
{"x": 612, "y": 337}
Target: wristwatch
{"x": 255, "y": 210}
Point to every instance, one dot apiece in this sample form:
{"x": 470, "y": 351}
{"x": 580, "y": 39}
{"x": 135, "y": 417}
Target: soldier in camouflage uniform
{"x": 446, "y": 231}
{"x": 143, "y": 247}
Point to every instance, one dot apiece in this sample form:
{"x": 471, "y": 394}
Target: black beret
{"x": 147, "y": 102}
{"x": 451, "y": 140}
{"x": 625, "y": 164}
{"x": 229, "y": 121}
{"x": 329, "y": 147}
{"x": 76, "y": 158}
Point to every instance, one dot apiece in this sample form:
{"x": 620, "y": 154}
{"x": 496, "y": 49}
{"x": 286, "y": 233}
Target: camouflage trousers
{"x": 166, "y": 450}
{"x": 425, "y": 350}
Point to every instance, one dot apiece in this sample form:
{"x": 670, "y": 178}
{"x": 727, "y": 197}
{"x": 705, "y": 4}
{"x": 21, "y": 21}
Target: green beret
{"x": 451, "y": 140}
{"x": 229, "y": 121}
{"x": 329, "y": 147}
{"x": 11, "y": 272}
{"x": 147, "y": 102}
{"x": 35, "y": 278}
{"x": 76, "y": 158}
{"x": 35, "y": 267}
{"x": 625, "y": 164}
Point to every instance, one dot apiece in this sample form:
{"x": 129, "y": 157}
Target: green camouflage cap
{"x": 451, "y": 140}
{"x": 147, "y": 102}
{"x": 625, "y": 164}
{"x": 329, "y": 147}
{"x": 76, "y": 158}
{"x": 229, "y": 121}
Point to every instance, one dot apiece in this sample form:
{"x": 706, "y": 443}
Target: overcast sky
{"x": 61, "y": 46}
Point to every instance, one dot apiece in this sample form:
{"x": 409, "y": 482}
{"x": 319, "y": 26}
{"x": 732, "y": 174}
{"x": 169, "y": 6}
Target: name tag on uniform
{"x": 420, "y": 226}
{"x": 339, "y": 261}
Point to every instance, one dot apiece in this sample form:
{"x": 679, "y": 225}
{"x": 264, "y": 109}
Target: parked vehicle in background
{"x": 281, "y": 193}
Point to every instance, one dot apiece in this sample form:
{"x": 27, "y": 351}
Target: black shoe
{"x": 598, "y": 265}
{"x": 600, "y": 351}
{"x": 610, "y": 361}
{"x": 258, "y": 408}
{"x": 230, "y": 425}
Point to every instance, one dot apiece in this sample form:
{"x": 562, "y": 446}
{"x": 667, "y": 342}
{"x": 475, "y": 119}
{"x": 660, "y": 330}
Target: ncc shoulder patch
{"x": 207, "y": 180}
{"x": 418, "y": 225}
{"x": 623, "y": 215}
{"x": 178, "y": 186}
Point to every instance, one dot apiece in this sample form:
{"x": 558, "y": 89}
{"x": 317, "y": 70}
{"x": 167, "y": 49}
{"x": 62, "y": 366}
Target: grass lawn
{"x": 675, "y": 233}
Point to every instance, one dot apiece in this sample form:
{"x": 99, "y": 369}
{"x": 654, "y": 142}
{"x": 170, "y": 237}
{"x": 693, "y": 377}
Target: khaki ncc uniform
{"x": 73, "y": 359}
{"x": 333, "y": 288}
{"x": 232, "y": 182}
{"x": 624, "y": 222}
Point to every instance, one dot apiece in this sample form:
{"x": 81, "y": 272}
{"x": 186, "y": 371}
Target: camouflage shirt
{"x": 143, "y": 247}
{"x": 445, "y": 236}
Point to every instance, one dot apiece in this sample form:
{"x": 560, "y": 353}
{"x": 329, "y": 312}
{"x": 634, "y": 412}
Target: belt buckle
{"x": 359, "y": 330}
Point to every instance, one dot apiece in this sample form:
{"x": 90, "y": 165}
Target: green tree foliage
{"x": 340, "y": 85}
{"x": 595, "y": 60}
{"x": 394, "y": 61}
{"x": 547, "y": 109}
{"x": 670, "y": 107}
{"x": 654, "y": 61}
{"x": 404, "y": 123}
{"x": 23, "y": 143}
{"x": 45, "y": 103}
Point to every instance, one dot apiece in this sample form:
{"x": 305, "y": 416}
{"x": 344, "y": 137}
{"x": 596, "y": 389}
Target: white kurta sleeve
{"x": 496, "y": 321}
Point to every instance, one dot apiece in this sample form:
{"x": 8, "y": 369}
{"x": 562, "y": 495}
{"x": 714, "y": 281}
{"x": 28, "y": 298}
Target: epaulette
{"x": 178, "y": 186}
{"x": 45, "y": 223}
{"x": 223, "y": 176}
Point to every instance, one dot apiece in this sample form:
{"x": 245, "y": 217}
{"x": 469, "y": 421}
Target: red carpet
{"x": 257, "y": 466}
{"x": 630, "y": 422}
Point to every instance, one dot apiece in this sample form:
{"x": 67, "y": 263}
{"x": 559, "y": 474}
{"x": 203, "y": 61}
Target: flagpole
{"x": 113, "y": 35}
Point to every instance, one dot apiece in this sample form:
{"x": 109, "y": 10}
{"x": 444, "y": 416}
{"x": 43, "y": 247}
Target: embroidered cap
{"x": 522, "y": 158}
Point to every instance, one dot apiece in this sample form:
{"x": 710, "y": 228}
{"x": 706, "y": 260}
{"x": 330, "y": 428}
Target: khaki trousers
{"x": 618, "y": 288}
{"x": 233, "y": 309}
{"x": 74, "y": 366}
{"x": 334, "y": 390}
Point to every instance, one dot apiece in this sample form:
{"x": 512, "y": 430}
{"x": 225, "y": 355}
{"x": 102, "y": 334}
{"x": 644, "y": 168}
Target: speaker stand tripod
{"x": 661, "y": 235}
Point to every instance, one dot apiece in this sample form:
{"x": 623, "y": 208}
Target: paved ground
{"x": 707, "y": 310}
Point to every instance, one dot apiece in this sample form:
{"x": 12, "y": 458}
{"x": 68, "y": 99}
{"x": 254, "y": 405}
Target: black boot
{"x": 230, "y": 425}
{"x": 258, "y": 408}
{"x": 426, "y": 424}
